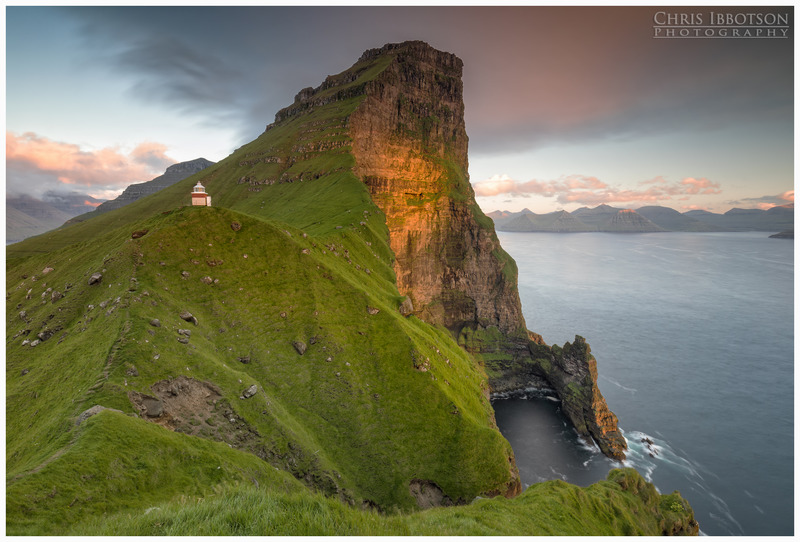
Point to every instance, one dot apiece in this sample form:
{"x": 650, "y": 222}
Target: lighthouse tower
{"x": 199, "y": 196}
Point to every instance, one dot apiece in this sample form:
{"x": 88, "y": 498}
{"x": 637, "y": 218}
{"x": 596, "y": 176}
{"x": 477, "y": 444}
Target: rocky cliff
{"x": 410, "y": 147}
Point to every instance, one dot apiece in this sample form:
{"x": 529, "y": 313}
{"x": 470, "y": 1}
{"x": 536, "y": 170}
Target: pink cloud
{"x": 700, "y": 186}
{"x": 63, "y": 163}
{"x": 788, "y": 196}
{"x": 588, "y": 190}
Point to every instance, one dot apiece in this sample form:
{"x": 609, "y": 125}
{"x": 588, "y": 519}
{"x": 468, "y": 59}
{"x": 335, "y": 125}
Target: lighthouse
{"x": 199, "y": 196}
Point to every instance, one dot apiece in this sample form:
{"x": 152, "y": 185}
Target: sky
{"x": 565, "y": 107}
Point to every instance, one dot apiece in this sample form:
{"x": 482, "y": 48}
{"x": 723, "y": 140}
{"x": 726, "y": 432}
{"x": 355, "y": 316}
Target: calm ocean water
{"x": 694, "y": 339}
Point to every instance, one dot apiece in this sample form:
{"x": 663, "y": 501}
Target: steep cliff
{"x": 410, "y": 147}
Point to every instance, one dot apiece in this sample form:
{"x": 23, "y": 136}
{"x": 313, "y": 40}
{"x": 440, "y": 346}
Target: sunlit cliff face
{"x": 410, "y": 146}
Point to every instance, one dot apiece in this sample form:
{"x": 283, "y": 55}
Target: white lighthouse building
{"x": 199, "y": 196}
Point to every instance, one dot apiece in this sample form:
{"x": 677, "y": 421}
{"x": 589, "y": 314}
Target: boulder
{"x": 187, "y": 316}
{"x": 155, "y": 322}
{"x": 95, "y": 278}
{"x": 300, "y": 346}
{"x": 406, "y": 307}
{"x": 153, "y": 407}
{"x": 249, "y": 392}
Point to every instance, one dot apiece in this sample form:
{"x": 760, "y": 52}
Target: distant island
{"x": 652, "y": 218}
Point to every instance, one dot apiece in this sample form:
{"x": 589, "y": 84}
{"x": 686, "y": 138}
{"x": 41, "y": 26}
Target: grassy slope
{"x": 361, "y": 425}
{"x": 622, "y": 505}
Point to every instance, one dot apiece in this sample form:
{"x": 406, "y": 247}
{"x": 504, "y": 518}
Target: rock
{"x": 300, "y": 346}
{"x": 184, "y": 274}
{"x": 187, "y": 316}
{"x": 186, "y": 332}
{"x": 46, "y": 334}
{"x": 132, "y": 371}
{"x": 95, "y": 278}
{"x": 373, "y": 310}
{"x": 235, "y": 226}
{"x": 153, "y": 407}
{"x": 572, "y": 372}
{"x": 155, "y": 322}
{"x": 249, "y": 392}
{"x": 46, "y": 270}
{"x": 55, "y": 296}
{"x": 406, "y": 307}
{"x": 139, "y": 233}
{"x": 89, "y": 412}
{"x": 24, "y": 372}
{"x": 244, "y": 359}
{"x": 23, "y": 316}
{"x": 183, "y": 340}
{"x": 207, "y": 280}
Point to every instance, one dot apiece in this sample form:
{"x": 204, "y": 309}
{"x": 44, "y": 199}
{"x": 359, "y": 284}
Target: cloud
{"x": 765, "y": 202}
{"x": 36, "y": 164}
{"x": 700, "y": 186}
{"x": 586, "y": 190}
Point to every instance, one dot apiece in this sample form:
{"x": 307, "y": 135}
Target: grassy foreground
{"x": 624, "y": 504}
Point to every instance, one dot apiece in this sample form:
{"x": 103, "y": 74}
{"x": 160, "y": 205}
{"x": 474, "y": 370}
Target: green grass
{"x": 550, "y": 508}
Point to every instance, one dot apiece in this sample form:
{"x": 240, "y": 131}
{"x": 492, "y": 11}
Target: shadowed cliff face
{"x": 410, "y": 147}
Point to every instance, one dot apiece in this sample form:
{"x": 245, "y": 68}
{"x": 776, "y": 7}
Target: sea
{"x": 694, "y": 339}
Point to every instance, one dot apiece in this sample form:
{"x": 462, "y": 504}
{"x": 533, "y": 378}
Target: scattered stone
{"x": 132, "y": 371}
{"x": 95, "y": 278}
{"x": 23, "y": 316}
{"x": 139, "y": 233}
{"x": 46, "y": 270}
{"x": 373, "y": 310}
{"x": 244, "y": 359}
{"x": 153, "y": 408}
{"x": 186, "y": 315}
{"x": 24, "y": 372}
{"x": 184, "y": 275}
{"x": 305, "y": 251}
{"x": 183, "y": 340}
{"x": 26, "y": 342}
{"x": 46, "y": 334}
{"x": 186, "y": 332}
{"x": 329, "y": 359}
{"x": 35, "y": 342}
{"x": 235, "y": 226}
{"x": 207, "y": 280}
{"x": 55, "y": 296}
{"x": 406, "y": 307}
{"x": 155, "y": 322}
{"x": 249, "y": 392}
{"x": 283, "y": 315}
{"x": 300, "y": 346}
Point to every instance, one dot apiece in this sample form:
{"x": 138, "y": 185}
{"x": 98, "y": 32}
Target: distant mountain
{"x": 650, "y": 218}
{"x": 602, "y": 214}
{"x": 173, "y": 174}
{"x": 27, "y": 216}
{"x": 779, "y": 218}
{"x": 629, "y": 221}
{"x": 672, "y": 220}
{"x": 559, "y": 221}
